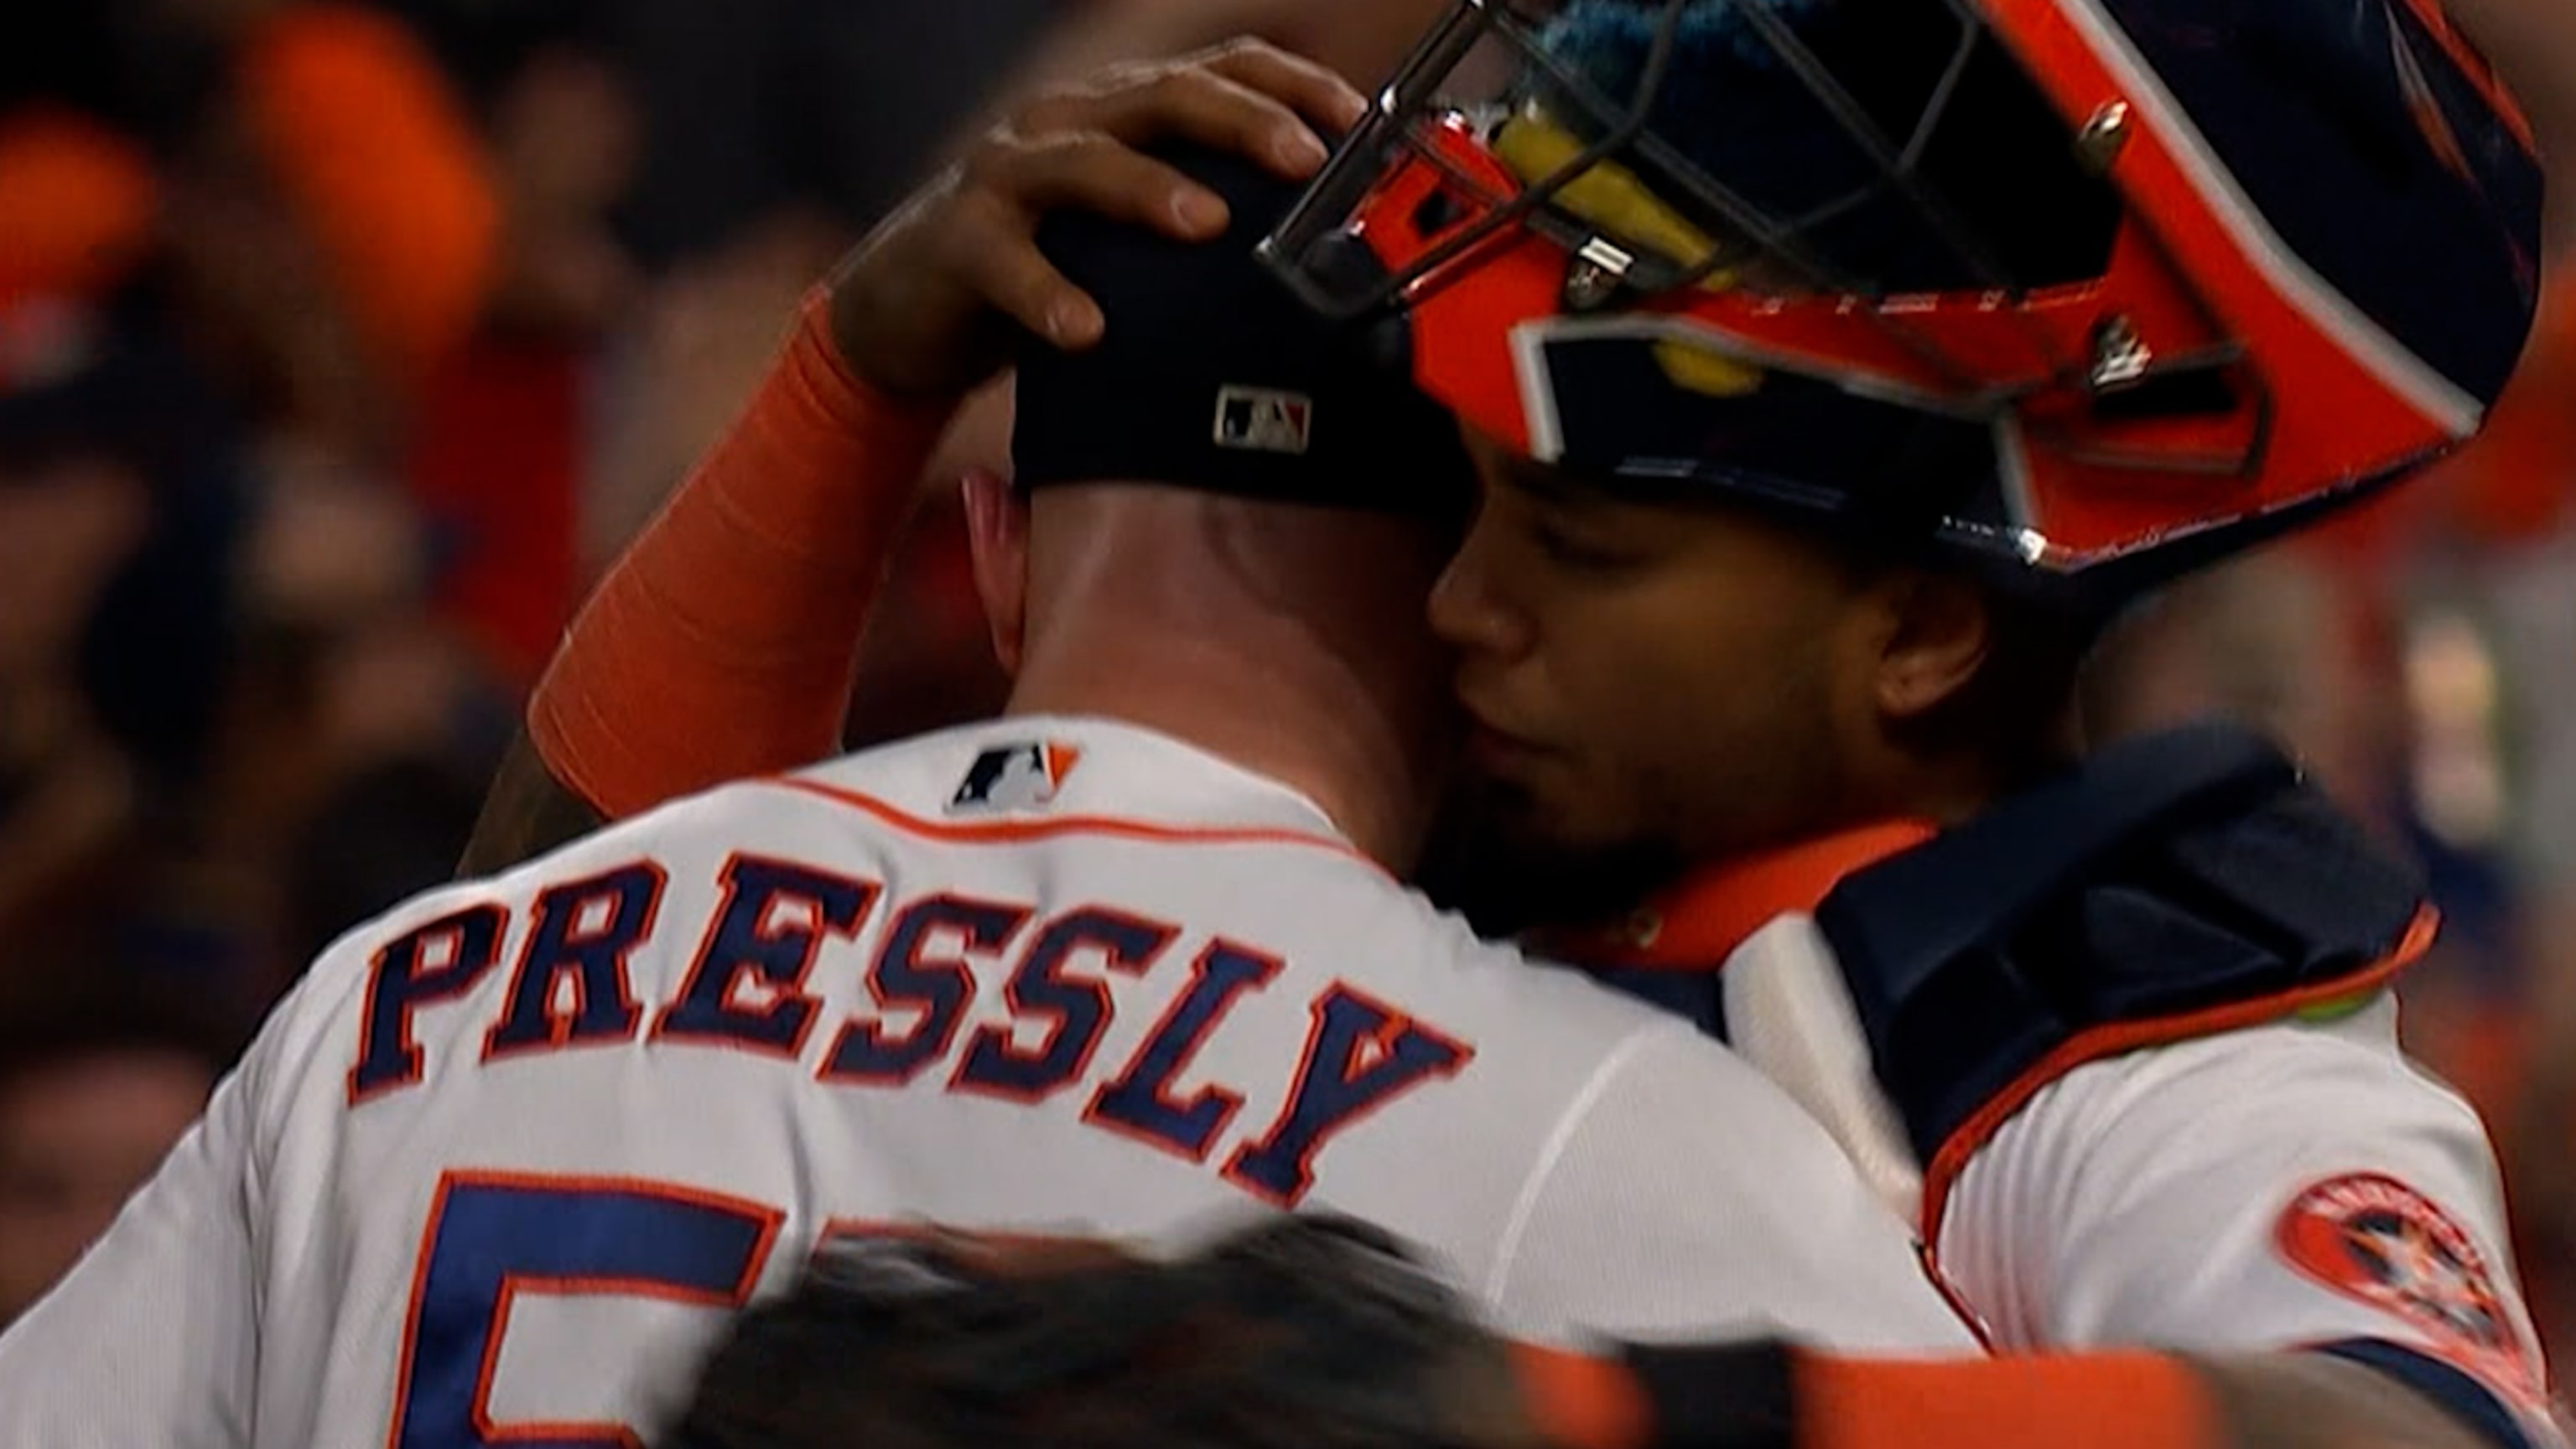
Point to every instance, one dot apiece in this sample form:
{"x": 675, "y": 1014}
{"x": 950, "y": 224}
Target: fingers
{"x": 996, "y": 255}
{"x": 1313, "y": 91}
{"x": 1093, "y": 171}
{"x": 1197, "y": 104}
{"x": 1246, "y": 97}
{"x": 1076, "y": 150}
{"x": 1010, "y": 183}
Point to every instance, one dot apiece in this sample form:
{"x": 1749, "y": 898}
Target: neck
{"x": 1292, "y": 721}
{"x": 1286, "y": 640}
{"x": 1949, "y": 781}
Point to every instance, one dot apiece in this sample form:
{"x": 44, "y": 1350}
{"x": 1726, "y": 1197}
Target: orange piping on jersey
{"x": 1954, "y": 1296}
{"x": 562, "y": 1031}
{"x": 1012, "y": 832}
{"x": 479, "y": 1407}
{"x": 1001, "y": 1037}
{"x": 784, "y": 995}
{"x": 1698, "y": 923}
{"x": 2107, "y": 1041}
{"x": 985, "y": 928}
{"x": 411, "y": 1318}
{"x": 771, "y": 1220}
{"x": 452, "y": 926}
{"x": 1229, "y": 1102}
{"x": 1394, "y": 1024}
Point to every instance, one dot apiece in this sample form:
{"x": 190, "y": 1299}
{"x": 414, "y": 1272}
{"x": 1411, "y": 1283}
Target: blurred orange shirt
{"x": 367, "y": 140}
{"x": 78, "y": 209}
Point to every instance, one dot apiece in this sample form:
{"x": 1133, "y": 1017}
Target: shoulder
{"x": 1546, "y": 1036}
{"x": 1568, "y": 1008}
{"x": 2332, "y": 1074}
{"x": 2176, "y": 887}
{"x": 726, "y": 814}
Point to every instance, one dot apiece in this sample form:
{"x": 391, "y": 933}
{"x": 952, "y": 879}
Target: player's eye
{"x": 1572, "y": 550}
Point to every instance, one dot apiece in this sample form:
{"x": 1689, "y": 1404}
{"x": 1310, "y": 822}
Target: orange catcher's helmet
{"x": 2084, "y": 292}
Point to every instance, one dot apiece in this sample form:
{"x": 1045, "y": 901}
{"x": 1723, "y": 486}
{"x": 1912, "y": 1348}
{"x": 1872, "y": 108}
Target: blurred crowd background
{"x": 342, "y": 344}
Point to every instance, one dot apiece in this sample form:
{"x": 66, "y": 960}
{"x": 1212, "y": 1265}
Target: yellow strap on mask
{"x": 1607, "y": 194}
{"x": 1610, "y": 197}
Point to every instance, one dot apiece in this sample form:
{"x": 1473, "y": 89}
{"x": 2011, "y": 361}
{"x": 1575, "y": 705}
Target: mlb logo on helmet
{"x": 1015, "y": 777}
{"x": 1263, "y": 420}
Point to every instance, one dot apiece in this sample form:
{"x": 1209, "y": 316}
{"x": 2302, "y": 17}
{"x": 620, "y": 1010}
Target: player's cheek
{"x": 1589, "y": 787}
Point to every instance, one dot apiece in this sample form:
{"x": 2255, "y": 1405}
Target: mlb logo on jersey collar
{"x": 1263, "y": 420}
{"x": 1015, "y": 777}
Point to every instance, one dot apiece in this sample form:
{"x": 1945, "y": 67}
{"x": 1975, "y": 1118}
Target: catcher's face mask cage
{"x": 2092, "y": 290}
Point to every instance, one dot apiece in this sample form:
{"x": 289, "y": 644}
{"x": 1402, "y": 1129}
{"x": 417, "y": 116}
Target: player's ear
{"x": 1935, "y": 632}
{"x": 997, "y": 535}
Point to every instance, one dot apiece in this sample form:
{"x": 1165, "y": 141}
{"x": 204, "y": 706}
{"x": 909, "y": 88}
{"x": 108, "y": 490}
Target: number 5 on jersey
{"x": 494, "y": 1239}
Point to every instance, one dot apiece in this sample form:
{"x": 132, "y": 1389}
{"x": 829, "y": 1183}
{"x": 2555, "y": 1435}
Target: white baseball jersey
{"x": 2123, "y": 1047}
{"x": 501, "y": 1164}
{"x": 2294, "y": 1185}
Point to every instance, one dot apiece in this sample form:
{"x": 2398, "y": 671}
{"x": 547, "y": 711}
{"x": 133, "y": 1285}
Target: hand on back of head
{"x": 930, "y": 304}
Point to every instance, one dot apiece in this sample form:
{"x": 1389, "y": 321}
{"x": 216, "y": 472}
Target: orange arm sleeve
{"x": 1582, "y": 1402}
{"x": 1767, "y": 1396}
{"x": 369, "y": 146}
{"x": 2099, "y": 1400}
{"x": 725, "y": 642}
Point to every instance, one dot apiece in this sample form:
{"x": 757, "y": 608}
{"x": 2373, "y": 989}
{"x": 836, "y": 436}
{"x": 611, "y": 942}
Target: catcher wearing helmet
{"x": 1836, "y": 371}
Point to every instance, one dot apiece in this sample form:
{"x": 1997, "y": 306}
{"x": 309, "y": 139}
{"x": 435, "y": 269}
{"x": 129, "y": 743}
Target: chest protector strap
{"x": 2176, "y": 884}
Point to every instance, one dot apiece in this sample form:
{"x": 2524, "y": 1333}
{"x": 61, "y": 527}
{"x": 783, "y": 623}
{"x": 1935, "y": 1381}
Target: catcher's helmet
{"x": 2085, "y": 291}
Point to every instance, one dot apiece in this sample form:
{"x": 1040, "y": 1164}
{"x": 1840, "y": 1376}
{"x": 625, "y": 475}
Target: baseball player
{"x": 1133, "y": 957}
{"x": 1773, "y": 375}
{"x": 1803, "y": 407}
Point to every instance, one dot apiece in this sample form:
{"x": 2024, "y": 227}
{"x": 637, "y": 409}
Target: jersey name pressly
{"x": 502, "y": 1162}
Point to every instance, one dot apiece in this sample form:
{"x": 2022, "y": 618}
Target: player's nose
{"x": 1468, "y": 611}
